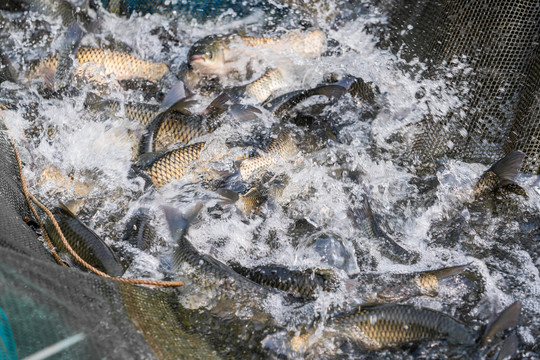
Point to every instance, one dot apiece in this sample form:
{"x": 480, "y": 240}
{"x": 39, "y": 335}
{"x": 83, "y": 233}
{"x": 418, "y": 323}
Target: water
{"x": 72, "y": 154}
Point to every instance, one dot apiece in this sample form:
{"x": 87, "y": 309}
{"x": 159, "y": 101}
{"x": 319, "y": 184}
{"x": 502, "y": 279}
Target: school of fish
{"x": 176, "y": 140}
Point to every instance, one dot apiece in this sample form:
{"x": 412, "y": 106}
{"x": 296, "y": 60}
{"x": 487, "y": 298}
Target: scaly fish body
{"x": 303, "y": 284}
{"x": 280, "y": 149}
{"x": 381, "y": 326}
{"x": 209, "y": 272}
{"x": 172, "y": 127}
{"x": 84, "y": 241}
{"x": 92, "y": 61}
{"x": 262, "y": 88}
{"x": 172, "y": 164}
{"x": 139, "y": 231}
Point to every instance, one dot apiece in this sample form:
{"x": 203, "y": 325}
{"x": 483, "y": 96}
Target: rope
{"x": 32, "y": 199}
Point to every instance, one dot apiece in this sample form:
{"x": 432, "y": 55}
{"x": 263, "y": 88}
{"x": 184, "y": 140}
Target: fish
{"x": 355, "y": 86}
{"x": 361, "y": 213}
{"x": 142, "y": 113}
{"x": 220, "y": 55}
{"x": 140, "y": 232}
{"x": 64, "y": 71}
{"x": 177, "y": 124}
{"x": 280, "y": 149}
{"x": 395, "y": 287}
{"x": 262, "y": 88}
{"x": 91, "y": 61}
{"x": 64, "y": 10}
{"x": 84, "y": 241}
{"x": 209, "y": 272}
{"x": 302, "y": 284}
{"x": 163, "y": 168}
{"x": 252, "y": 200}
{"x": 501, "y": 174}
{"x": 378, "y": 326}
{"x": 7, "y": 70}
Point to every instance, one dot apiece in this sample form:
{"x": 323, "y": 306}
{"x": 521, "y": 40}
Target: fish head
{"x": 207, "y": 56}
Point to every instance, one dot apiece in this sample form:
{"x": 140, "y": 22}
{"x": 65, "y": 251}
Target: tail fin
{"x": 508, "y": 348}
{"x": 177, "y": 92}
{"x": 507, "y": 319}
{"x": 178, "y": 222}
{"x": 501, "y": 174}
{"x": 508, "y": 167}
{"x": 177, "y": 100}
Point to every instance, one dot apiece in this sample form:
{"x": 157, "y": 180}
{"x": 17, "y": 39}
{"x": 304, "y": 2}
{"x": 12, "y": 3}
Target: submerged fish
{"x": 64, "y": 69}
{"x": 303, "y": 284}
{"x": 86, "y": 243}
{"x": 7, "y": 70}
{"x": 208, "y": 271}
{"x": 140, "y": 112}
{"x": 280, "y": 149}
{"x": 62, "y": 9}
{"x": 363, "y": 217}
{"x": 394, "y": 287}
{"x": 377, "y": 326}
{"x": 139, "y": 231}
{"x": 221, "y": 55}
{"x": 502, "y": 174}
{"x": 92, "y": 61}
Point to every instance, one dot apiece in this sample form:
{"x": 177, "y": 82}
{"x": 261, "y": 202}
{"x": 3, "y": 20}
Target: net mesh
{"x": 488, "y": 51}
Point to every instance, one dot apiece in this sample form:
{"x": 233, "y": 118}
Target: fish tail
{"x": 179, "y": 222}
{"x": 508, "y": 348}
{"x": 446, "y": 272}
{"x": 501, "y": 174}
{"x": 507, "y": 319}
{"x": 508, "y": 167}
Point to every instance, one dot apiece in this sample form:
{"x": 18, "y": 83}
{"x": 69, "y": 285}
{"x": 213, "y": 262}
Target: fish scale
{"x": 266, "y": 85}
{"x": 143, "y": 113}
{"x": 122, "y": 65}
{"x": 386, "y": 325}
{"x": 171, "y": 165}
{"x": 308, "y": 45}
{"x": 279, "y": 149}
{"x": 178, "y": 127}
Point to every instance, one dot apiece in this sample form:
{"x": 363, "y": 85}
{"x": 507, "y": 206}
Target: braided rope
{"x": 32, "y": 199}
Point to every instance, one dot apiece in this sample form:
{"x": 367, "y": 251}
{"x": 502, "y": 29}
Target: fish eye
{"x": 209, "y": 55}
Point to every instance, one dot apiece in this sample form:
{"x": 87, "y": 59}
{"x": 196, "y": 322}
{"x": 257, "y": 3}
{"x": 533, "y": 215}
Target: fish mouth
{"x": 196, "y": 59}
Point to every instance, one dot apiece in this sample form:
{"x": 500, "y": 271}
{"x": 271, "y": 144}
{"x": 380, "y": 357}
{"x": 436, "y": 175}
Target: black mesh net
{"x": 489, "y": 53}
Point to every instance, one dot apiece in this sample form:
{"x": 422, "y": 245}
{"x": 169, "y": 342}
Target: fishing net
{"x": 489, "y": 53}
{"x": 492, "y": 49}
